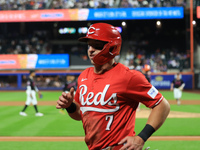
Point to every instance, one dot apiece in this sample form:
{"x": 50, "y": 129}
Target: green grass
{"x": 55, "y": 124}
{"x": 173, "y": 127}
{"x": 186, "y": 108}
{"x": 173, "y": 145}
{"x": 154, "y": 145}
{"x": 185, "y": 95}
{"x": 54, "y": 95}
{"x": 43, "y": 145}
{"x": 21, "y": 95}
{"x": 181, "y": 108}
{"x": 51, "y": 124}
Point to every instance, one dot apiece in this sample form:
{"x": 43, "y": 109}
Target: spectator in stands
{"x": 70, "y": 4}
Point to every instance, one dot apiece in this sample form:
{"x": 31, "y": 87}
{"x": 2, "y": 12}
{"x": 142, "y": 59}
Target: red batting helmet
{"x": 107, "y": 33}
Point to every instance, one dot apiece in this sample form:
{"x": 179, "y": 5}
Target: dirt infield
{"x": 68, "y": 139}
{"x": 144, "y": 113}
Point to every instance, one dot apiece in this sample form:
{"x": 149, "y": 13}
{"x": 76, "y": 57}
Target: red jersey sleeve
{"x": 139, "y": 89}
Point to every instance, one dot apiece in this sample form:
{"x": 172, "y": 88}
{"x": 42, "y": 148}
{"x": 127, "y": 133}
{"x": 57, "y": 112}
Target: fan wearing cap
{"x": 108, "y": 94}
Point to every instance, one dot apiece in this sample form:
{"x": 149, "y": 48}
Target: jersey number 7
{"x": 109, "y": 118}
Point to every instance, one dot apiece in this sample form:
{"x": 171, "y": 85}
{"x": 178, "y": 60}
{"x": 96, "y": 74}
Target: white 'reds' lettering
{"x": 102, "y": 101}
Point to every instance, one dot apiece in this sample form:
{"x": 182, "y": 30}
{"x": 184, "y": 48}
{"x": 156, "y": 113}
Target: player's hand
{"x": 132, "y": 143}
{"x": 65, "y": 99}
{"x": 40, "y": 94}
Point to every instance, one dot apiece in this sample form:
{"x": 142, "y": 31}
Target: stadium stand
{"x": 70, "y": 4}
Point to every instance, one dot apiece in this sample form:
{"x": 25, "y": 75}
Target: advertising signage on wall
{"x": 198, "y": 11}
{"x": 34, "y": 61}
{"x": 164, "y": 81}
{"x": 91, "y": 14}
{"x": 136, "y": 13}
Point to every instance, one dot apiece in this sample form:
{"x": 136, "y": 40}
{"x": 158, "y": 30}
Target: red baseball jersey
{"x": 108, "y": 103}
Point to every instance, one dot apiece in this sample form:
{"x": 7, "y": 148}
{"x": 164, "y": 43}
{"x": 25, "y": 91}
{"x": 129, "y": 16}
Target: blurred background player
{"x": 31, "y": 95}
{"x": 70, "y": 81}
{"x": 146, "y": 70}
{"x": 177, "y": 86}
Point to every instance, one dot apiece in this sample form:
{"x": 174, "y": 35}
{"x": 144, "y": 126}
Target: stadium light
{"x": 194, "y": 23}
{"x": 123, "y": 23}
{"x": 158, "y": 24}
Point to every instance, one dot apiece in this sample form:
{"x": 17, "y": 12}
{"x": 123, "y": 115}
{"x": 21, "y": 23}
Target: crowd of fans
{"x": 70, "y": 4}
{"x": 38, "y": 42}
{"x": 159, "y": 61}
{"x": 42, "y": 81}
{"x": 33, "y": 44}
{"x": 161, "y": 52}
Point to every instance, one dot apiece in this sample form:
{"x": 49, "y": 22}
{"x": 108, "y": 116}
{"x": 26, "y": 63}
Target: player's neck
{"x": 100, "y": 69}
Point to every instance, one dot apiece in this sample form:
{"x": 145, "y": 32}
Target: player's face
{"x": 33, "y": 74}
{"x": 178, "y": 77}
{"x": 94, "y": 47}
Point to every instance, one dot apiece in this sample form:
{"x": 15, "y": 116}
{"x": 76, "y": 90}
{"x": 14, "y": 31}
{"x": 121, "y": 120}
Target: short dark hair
{"x": 31, "y": 71}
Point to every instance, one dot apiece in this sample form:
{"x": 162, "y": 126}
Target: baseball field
{"x": 57, "y": 131}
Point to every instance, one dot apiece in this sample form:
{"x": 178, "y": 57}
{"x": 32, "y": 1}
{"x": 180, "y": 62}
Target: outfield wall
{"x": 54, "y": 79}
{"x": 163, "y": 81}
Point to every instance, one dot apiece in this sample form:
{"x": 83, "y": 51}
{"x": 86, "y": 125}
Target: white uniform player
{"x": 31, "y": 95}
{"x": 177, "y": 86}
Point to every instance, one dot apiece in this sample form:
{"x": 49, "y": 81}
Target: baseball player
{"x": 177, "y": 87}
{"x": 31, "y": 95}
{"x": 69, "y": 83}
{"x": 146, "y": 70}
{"x": 108, "y": 94}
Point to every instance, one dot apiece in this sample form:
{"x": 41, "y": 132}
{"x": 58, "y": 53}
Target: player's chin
{"x": 92, "y": 62}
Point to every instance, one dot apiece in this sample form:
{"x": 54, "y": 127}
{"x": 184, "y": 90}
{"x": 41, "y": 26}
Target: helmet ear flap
{"x": 104, "y": 56}
{"x": 113, "y": 50}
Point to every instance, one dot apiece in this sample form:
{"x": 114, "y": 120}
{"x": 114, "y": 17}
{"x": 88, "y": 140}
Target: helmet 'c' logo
{"x": 91, "y": 30}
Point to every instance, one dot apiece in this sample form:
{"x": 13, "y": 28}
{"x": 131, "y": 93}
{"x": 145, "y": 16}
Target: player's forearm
{"x": 159, "y": 114}
{"x": 36, "y": 89}
{"x": 172, "y": 85}
{"x": 182, "y": 86}
{"x": 76, "y": 115}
